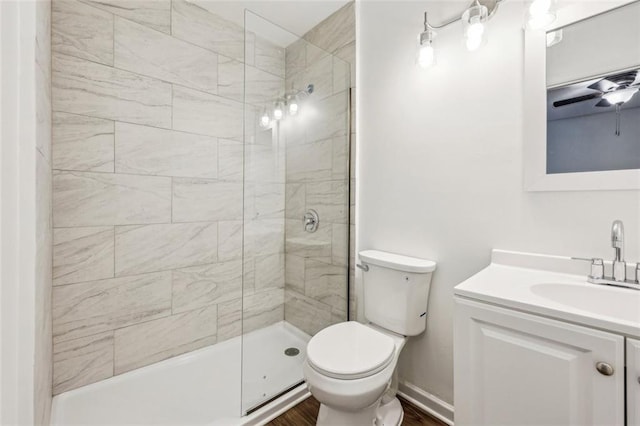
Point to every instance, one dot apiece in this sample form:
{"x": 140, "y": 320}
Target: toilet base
{"x": 332, "y": 417}
{"x": 390, "y": 414}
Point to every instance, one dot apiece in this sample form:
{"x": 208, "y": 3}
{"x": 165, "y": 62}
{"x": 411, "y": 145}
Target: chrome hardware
{"x": 617, "y": 242}
{"x": 604, "y": 368}
{"x": 311, "y": 221}
{"x": 597, "y": 267}
{"x": 364, "y": 267}
{"x": 618, "y": 276}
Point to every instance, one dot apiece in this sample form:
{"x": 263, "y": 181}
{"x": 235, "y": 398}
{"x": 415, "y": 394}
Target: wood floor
{"x": 304, "y": 414}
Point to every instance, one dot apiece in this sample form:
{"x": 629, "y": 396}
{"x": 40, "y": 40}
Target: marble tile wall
{"x": 318, "y": 171}
{"x": 148, "y": 165}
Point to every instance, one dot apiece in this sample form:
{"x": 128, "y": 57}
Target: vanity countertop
{"x": 555, "y": 287}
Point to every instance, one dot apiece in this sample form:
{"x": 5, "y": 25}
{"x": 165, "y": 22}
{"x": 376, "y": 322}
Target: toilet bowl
{"x": 349, "y": 366}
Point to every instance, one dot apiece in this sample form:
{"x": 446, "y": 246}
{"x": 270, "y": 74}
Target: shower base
{"x": 198, "y": 388}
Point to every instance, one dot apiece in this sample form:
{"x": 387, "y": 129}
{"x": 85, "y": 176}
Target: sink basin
{"x": 602, "y": 300}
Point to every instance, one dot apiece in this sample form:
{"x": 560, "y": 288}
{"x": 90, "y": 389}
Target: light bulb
{"x": 265, "y": 120}
{"x": 426, "y": 53}
{"x": 426, "y": 56}
{"x": 475, "y": 33}
{"x": 278, "y": 112}
{"x": 473, "y": 20}
{"x": 540, "y": 7}
{"x": 540, "y": 14}
{"x": 293, "y": 107}
{"x": 620, "y": 97}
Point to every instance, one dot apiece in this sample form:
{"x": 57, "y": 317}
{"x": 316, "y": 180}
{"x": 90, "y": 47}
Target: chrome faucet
{"x": 617, "y": 242}
{"x": 618, "y": 276}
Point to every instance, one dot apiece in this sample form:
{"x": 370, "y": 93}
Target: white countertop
{"x": 540, "y": 284}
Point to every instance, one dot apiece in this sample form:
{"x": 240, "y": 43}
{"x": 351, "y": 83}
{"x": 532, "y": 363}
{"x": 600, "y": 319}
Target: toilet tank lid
{"x": 397, "y": 261}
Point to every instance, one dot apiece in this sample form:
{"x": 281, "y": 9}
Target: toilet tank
{"x": 396, "y": 291}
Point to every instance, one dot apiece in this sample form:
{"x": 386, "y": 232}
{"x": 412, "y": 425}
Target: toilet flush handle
{"x": 363, "y": 266}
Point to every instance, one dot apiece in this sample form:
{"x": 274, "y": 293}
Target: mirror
{"x": 582, "y": 99}
{"x": 593, "y": 99}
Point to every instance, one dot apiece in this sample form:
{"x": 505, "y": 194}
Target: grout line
{"x": 145, "y": 125}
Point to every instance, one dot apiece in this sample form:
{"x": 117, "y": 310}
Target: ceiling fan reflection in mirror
{"x": 611, "y": 91}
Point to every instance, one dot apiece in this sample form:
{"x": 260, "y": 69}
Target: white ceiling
{"x": 296, "y": 17}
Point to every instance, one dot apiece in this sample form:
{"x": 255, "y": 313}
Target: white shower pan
{"x": 202, "y": 387}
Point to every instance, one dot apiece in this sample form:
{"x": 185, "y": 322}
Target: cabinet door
{"x": 633, "y": 382}
{"x": 512, "y": 368}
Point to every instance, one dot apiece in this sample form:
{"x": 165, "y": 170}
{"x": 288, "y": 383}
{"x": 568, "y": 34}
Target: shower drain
{"x": 291, "y": 351}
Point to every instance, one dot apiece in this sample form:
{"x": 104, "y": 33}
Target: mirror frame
{"x": 535, "y": 113}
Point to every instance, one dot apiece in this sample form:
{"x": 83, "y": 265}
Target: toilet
{"x": 350, "y": 367}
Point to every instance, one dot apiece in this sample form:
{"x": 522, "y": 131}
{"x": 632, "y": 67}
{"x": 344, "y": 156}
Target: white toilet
{"x": 350, "y": 366}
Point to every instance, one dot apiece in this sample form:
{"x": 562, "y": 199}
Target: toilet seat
{"x": 350, "y": 350}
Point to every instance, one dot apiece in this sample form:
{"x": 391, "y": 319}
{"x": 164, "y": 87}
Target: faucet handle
{"x": 597, "y": 266}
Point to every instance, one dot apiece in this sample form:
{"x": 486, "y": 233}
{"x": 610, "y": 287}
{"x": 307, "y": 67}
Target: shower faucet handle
{"x": 311, "y": 220}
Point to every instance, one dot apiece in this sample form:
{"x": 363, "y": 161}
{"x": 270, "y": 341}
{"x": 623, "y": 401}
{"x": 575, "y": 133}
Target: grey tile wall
{"x": 148, "y": 158}
{"x": 320, "y": 176}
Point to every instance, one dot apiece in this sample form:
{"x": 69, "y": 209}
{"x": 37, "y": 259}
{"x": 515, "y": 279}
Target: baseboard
{"x": 428, "y": 403}
{"x": 275, "y": 408}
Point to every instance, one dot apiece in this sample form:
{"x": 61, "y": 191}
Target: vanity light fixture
{"x": 540, "y": 14}
{"x": 426, "y": 53}
{"x": 473, "y": 19}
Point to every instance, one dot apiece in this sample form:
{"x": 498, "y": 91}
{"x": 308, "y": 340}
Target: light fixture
{"x": 426, "y": 53}
{"x": 619, "y": 97}
{"x": 540, "y": 14}
{"x": 278, "y": 110}
{"x": 265, "y": 120}
{"x": 292, "y": 105}
{"x": 473, "y": 21}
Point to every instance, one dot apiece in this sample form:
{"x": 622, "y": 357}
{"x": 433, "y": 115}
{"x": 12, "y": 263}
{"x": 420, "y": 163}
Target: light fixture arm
{"x": 491, "y": 5}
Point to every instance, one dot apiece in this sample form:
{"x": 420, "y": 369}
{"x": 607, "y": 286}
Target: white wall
{"x": 25, "y": 187}
{"x": 440, "y": 167}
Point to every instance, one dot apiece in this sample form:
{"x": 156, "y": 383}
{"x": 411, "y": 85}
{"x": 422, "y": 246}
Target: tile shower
{"x": 178, "y": 218}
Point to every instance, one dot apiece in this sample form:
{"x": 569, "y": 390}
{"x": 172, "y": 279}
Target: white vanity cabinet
{"x": 514, "y": 368}
{"x": 633, "y": 382}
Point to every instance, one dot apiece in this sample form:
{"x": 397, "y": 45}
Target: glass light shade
{"x": 426, "y": 56}
{"x": 473, "y": 20}
{"x": 540, "y": 14}
{"x": 293, "y": 106}
{"x": 620, "y": 97}
{"x": 265, "y": 120}
{"x": 278, "y": 111}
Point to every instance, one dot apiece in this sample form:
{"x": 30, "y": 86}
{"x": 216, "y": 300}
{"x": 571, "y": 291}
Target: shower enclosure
{"x": 296, "y": 204}
{"x": 200, "y": 210}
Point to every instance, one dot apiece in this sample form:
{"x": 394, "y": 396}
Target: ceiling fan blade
{"x": 603, "y": 103}
{"x": 576, "y": 99}
{"x": 604, "y": 85}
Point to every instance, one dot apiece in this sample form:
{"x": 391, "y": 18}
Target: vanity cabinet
{"x": 633, "y": 382}
{"x": 514, "y": 368}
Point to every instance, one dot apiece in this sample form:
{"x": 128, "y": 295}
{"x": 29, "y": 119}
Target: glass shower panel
{"x": 296, "y": 204}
